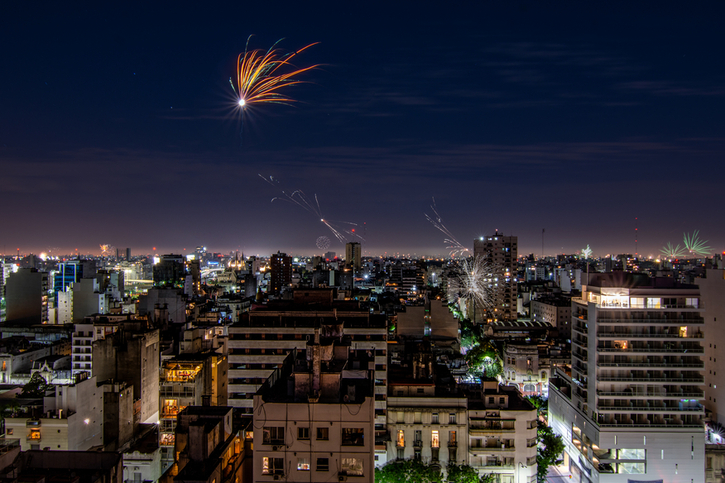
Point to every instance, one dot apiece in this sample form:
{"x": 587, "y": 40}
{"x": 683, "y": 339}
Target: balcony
{"x": 418, "y": 444}
{"x": 654, "y": 365}
{"x": 606, "y": 334}
{"x": 649, "y": 350}
{"x": 670, "y": 380}
{"x": 653, "y": 394}
{"x": 652, "y": 321}
{"x": 649, "y": 409}
{"x": 477, "y": 450}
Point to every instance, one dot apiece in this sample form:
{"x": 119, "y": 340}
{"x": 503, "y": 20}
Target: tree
{"x": 408, "y": 470}
{"x": 541, "y": 404}
{"x": 466, "y": 474}
{"x": 483, "y": 359}
{"x": 550, "y": 448}
{"x": 36, "y": 386}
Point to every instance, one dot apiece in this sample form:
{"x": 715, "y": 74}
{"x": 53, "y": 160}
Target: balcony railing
{"x": 650, "y": 364}
{"x": 642, "y": 335}
{"x": 629, "y": 350}
{"x": 675, "y": 380}
{"x": 662, "y": 395}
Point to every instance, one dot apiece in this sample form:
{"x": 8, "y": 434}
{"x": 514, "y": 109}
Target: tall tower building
{"x": 501, "y": 252}
{"x": 71, "y": 272}
{"x": 353, "y": 256}
{"x": 281, "y": 272}
{"x": 629, "y": 408}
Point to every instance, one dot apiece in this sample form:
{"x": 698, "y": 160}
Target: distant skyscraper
{"x": 281, "y": 272}
{"x": 170, "y": 271}
{"x": 353, "y": 256}
{"x": 501, "y": 252}
{"x": 128, "y": 254}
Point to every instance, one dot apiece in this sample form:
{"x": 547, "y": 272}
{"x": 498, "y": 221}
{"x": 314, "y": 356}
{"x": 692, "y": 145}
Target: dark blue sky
{"x": 118, "y": 125}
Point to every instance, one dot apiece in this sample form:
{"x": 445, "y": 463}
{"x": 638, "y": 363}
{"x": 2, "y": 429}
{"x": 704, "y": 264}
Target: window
{"x": 490, "y": 400}
{"x": 323, "y": 434}
{"x": 303, "y": 464}
{"x": 400, "y": 440}
{"x": 502, "y": 400}
{"x": 452, "y": 418}
{"x": 435, "y": 440}
{"x": 323, "y": 464}
{"x": 353, "y": 437}
{"x": 434, "y": 418}
{"x": 272, "y": 466}
{"x": 303, "y": 433}
{"x": 9, "y": 431}
{"x": 351, "y": 467}
{"x": 451, "y": 438}
{"x": 419, "y": 390}
{"x": 273, "y": 435}
{"x": 416, "y": 417}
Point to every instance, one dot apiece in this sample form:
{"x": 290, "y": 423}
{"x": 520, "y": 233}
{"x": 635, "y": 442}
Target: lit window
{"x": 435, "y": 441}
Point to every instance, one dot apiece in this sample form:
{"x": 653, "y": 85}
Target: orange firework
{"x": 261, "y": 76}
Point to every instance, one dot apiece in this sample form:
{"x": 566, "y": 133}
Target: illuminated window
{"x": 272, "y": 466}
{"x": 400, "y": 440}
{"x": 683, "y": 331}
{"x": 303, "y": 464}
{"x": 435, "y": 441}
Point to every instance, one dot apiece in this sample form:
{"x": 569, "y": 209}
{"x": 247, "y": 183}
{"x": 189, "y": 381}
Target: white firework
{"x": 474, "y": 280}
{"x": 341, "y": 229}
{"x": 455, "y": 247}
{"x": 587, "y": 252}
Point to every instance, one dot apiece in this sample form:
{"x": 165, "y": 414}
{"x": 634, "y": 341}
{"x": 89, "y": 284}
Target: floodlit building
{"x": 630, "y": 409}
{"x": 26, "y": 297}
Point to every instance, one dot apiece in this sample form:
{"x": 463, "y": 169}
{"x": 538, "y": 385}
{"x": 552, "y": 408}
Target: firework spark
{"x": 455, "y": 247}
{"x": 106, "y": 250}
{"x": 263, "y": 76}
{"x": 341, "y": 229}
{"x": 587, "y": 252}
{"x": 473, "y": 280}
{"x": 670, "y": 251}
{"x": 694, "y": 245}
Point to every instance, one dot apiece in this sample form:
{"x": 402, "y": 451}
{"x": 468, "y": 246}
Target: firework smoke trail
{"x": 455, "y": 247}
{"x": 672, "y": 252}
{"x": 299, "y": 198}
{"x": 694, "y": 245}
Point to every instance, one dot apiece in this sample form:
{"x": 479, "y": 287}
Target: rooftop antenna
{"x": 542, "y": 242}
{"x": 635, "y": 237}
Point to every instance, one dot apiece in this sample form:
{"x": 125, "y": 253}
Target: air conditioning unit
{"x": 342, "y": 478}
{"x": 275, "y": 448}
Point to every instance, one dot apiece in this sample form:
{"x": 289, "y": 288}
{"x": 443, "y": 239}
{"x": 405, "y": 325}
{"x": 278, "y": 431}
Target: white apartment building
{"x": 630, "y": 408}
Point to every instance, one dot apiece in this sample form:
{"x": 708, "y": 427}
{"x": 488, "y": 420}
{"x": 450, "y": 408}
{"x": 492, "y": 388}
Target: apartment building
{"x": 630, "y": 408}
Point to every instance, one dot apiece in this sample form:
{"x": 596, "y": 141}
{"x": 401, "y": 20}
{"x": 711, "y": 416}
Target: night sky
{"x": 118, "y": 125}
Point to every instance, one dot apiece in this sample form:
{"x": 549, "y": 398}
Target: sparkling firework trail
{"x": 672, "y": 252}
{"x": 341, "y": 229}
{"x": 455, "y": 247}
{"x": 263, "y": 76}
{"x": 694, "y": 245}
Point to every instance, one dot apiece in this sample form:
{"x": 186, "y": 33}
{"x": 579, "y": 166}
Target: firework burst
{"x": 587, "y": 252}
{"x": 694, "y": 245}
{"x": 263, "y": 76}
{"x": 456, "y": 248}
{"x": 473, "y": 280}
{"x": 341, "y": 229}
{"x": 670, "y": 251}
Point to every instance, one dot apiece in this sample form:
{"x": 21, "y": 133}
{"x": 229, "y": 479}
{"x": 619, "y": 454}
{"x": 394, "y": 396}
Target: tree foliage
{"x": 399, "y": 471}
{"x": 549, "y": 451}
{"x": 466, "y": 474}
{"x": 483, "y": 359}
{"x": 540, "y": 403}
{"x": 36, "y": 386}
{"x": 403, "y": 471}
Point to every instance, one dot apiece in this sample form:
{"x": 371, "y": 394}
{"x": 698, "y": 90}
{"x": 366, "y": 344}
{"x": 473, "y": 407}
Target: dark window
{"x": 323, "y": 434}
{"x": 353, "y": 437}
{"x": 323, "y": 464}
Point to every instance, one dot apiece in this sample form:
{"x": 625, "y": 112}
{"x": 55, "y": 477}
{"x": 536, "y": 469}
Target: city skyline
{"x": 591, "y": 122}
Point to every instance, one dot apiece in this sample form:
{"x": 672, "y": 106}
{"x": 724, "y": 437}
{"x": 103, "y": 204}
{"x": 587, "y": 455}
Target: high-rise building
{"x": 281, "y": 272}
{"x": 353, "y": 255}
{"x": 26, "y": 296}
{"x": 500, "y": 252}
{"x": 712, "y": 289}
{"x": 629, "y": 409}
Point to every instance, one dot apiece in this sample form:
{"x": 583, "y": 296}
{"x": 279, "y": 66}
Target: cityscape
{"x": 466, "y": 243}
